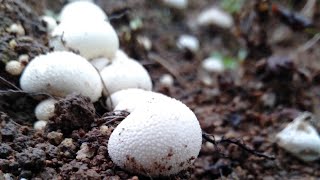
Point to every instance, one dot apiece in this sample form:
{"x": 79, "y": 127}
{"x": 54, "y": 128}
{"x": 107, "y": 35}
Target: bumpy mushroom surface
{"x": 82, "y": 11}
{"x": 60, "y": 74}
{"x": 129, "y": 99}
{"x": 93, "y": 39}
{"x": 124, "y": 74}
{"x": 160, "y": 137}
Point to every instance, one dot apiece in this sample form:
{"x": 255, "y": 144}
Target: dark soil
{"x": 251, "y": 103}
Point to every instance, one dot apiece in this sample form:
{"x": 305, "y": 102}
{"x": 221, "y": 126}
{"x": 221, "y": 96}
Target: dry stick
{"x": 308, "y": 44}
{"x": 168, "y": 67}
{"x": 209, "y": 137}
{"x": 9, "y": 83}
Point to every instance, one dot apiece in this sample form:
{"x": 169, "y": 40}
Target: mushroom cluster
{"x": 160, "y": 137}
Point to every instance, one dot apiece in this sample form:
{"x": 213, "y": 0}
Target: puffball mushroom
{"x": 82, "y": 11}
{"x": 125, "y": 73}
{"x": 129, "y": 99}
{"x": 300, "y": 138}
{"x": 60, "y": 74}
{"x": 93, "y": 39}
{"x": 160, "y": 137}
{"x": 45, "y": 109}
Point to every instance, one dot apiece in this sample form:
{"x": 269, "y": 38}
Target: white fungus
{"x": 300, "y": 138}
{"x": 160, "y": 137}
{"x": 215, "y": 16}
{"x": 166, "y": 80}
{"x": 45, "y": 109}
{"x": 91, "y": 39}
{"x": 125, "y": 73}
{"x": 188, "y": 42}
{"x": 178, "y": 4}
{"x": 100, "y": 63}
{"x": 16, "y": 28}
{"x": 50, "y": 23}
{"x": 60, "y": 74}
{"x": 82, "y": 11}
{"x": 14, "y": 68}
{"x": 40, "y": 125}
{"x": 213, "y": 65}
{"x": 129, "y": 99}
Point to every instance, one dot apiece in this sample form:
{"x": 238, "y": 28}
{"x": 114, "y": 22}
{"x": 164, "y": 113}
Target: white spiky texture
{"x": 160, "y": 137}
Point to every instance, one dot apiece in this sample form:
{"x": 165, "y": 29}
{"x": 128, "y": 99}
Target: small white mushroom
{"x": 50, "y": 23}
{"x": 215, "y": 16}
{"x": 300, "y": 138}
{"x": 125, "y": 73}
{"x": 82, "y": 11}
{"x": 166, "y": 80}
{"x": 120, "y": 56}
{"x": 60, "y": 74}
{"x": 213, "y": 65}
{"x": 40, "y": 125}
{"x": 100, "y": 63}
{"x": 188, "y": 42}
{"x": 45, "y": 109}
{"x": 160, "y": 137}
{"x": 178, "y": 4}
{"x": 16, "y": 28}
{"x": 91, "y": 40}
{"x": 129, "y": 99}
{"x": 14, "y": 68}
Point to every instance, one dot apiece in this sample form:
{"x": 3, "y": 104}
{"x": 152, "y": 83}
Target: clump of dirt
{"x": 72, "y": 113}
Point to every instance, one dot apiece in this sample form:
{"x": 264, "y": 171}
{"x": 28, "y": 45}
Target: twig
{"x": 9, "y": 83}
{"x": 119, "y": 15}
{"x": 210, "y": 138}
{"x": 165, "y": 64}
{"x": 309, "y": 43}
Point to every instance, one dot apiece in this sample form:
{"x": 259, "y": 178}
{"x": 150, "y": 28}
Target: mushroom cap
{"x": 91, "y": 40}
{"x": 100, "y": 63}
{"x": 129, "y": 99}
{"x": 40, "y": 125}
{"x": 45, "y": 109}
{"x": 14, "y": 68}
{"x": 60, "y": 74}
{"x": 125, "y": 74}
{"x": 82, "y": 11}
{"x": 300, "y": 138}
{"x": 159, "y": 138}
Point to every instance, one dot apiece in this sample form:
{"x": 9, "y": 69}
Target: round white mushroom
{"x": 215, "y": 16}
{"x": 91, "y": 40}
{"x": 45, "y": 109}
{"x": 49, "y": 22}
{"x": 125, "y": 73}
{"x": 82, "y": 11}
{"x": 60, "y": 74}
{"x": 160, "y": 137}
{"x": 129, "y": 99}
{"x": 100, "y": 63}
{"x": 14, "y": 68}
{"x": 40, "y": 125}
